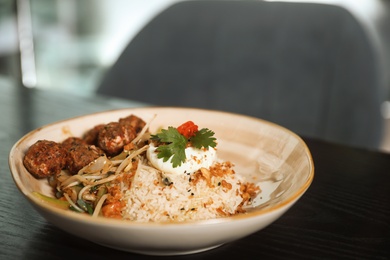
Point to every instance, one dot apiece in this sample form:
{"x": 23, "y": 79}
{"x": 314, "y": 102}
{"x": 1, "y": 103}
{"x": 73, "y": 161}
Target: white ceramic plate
{"x": 269, "y": 154}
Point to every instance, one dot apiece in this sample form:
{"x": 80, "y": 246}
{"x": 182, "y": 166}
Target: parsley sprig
{"x": 173, "y": 144}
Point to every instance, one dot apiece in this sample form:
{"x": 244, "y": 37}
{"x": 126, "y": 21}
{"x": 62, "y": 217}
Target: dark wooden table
{"x": 345, "y": 214}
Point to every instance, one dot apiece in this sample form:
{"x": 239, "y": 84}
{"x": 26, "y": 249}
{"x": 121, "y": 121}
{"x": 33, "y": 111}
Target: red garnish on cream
{"x": 188, "y": 129}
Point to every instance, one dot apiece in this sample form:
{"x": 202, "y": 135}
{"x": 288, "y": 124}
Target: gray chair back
{"x": 308, "y": 67}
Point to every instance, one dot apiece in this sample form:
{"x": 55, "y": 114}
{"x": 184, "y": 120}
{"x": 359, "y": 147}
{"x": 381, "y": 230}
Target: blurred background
{"x": 68, "y": 45}
{"x": 74, "y": 41}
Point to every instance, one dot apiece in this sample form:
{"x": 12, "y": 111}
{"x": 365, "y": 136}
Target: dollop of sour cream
{"x": 195, "y": 159}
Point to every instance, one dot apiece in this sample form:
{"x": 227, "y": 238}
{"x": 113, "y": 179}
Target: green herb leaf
{"x": 203, "y": 138}
{"x": 172, "y": 144}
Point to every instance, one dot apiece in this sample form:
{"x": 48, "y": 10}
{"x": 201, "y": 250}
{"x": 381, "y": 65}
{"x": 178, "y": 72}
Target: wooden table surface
{"x": 345, "y": 214}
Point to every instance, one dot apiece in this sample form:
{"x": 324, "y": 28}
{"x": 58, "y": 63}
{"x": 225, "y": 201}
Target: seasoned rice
{"x": 206, "y": 194}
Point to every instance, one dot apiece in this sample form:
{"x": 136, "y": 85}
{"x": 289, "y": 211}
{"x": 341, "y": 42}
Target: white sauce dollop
{"x": 195, "y": 159}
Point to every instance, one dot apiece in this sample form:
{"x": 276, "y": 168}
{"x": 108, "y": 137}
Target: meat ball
{"x": 91, "y": 136}
{"x": 133, "y": 121}
{"x": 71, "y": 141}
{"x": 114, "y": 136}
{"x": 45, "y": 158}
{"x": 80, "y": 155}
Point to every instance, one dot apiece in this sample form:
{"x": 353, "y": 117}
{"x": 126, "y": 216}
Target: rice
{"x": 206, "y": 194}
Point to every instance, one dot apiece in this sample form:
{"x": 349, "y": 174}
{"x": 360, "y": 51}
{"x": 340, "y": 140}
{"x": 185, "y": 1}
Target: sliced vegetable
{"x": 56, "y": 202}
{"x": 87, "y": 207}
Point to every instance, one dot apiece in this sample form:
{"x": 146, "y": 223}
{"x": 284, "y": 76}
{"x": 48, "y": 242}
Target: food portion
{"x": 186, "y": 148}
{"x": 45, "y": 158}
{"x": 121, "y": 170}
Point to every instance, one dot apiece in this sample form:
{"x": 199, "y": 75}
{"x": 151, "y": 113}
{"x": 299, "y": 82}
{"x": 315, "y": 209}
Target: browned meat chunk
{"x": 71, "y": 141}
{"x": 114, "y": 136}
{"x": 80, "y": 155}
{"x": 133, "y": 121}
{"x": 45, "y": 158}
{"x": 91, "y": 136}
